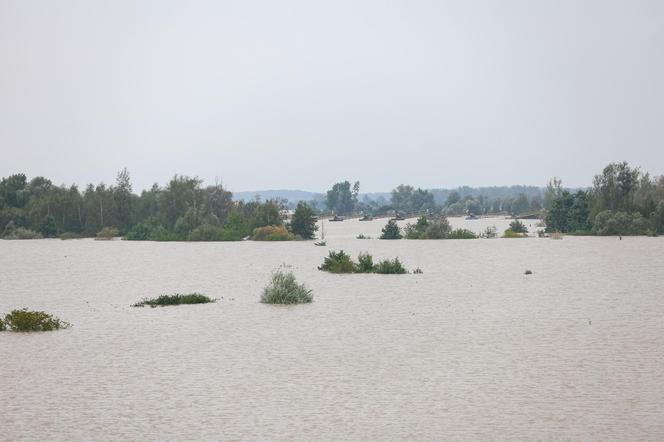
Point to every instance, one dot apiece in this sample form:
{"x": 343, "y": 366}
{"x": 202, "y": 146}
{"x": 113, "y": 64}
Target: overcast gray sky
{"x": 296, "y": 94}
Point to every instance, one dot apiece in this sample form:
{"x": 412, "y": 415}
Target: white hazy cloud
{"x": 301, "y": 94}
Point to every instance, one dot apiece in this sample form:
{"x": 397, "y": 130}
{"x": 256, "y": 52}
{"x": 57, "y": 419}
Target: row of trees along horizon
{"x": 622, "y": 201}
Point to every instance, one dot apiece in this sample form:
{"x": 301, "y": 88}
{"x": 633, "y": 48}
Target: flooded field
{"x": 472, "y": 349}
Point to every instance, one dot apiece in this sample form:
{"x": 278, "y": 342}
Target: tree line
{"x": 622, "y": 201}
{"x": 183, "y": 209}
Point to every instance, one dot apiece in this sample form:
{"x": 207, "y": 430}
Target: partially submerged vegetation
{"x": 28, "y": 321}
{"x": 283, "y": 288}
{"x": 108, "y": 233}
{"x": 391, "y": 230}
{"x": 516, "y": 230}
{"x": 272, "y": 233}
{"x": 176, "y": 299}
{"x": 340, "y": 262}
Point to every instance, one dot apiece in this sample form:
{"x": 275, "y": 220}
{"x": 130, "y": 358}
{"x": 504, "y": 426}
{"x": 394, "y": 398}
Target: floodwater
{"x": 472, "y": 349}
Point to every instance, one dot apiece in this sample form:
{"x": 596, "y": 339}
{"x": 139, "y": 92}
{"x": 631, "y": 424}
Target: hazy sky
{"x": 302, "y": 94}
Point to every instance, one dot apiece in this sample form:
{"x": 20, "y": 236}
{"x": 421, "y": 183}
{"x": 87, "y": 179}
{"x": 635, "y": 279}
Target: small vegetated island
{"x": 622, "y": 201}
{"x": 176, "y": 299}
{"x": 283, "y": 288}
{"x": 31, "y": 321}
{"x": 340, "y": 262}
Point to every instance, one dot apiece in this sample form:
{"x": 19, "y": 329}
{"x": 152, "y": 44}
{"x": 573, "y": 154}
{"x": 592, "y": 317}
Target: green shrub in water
{"x": 338, "y": 262}
{"x": 284, "y": 289}
{"x": 176, "y": 299}
{"x": 27, "y": 321}
{"x": 272, "y": 233}
{"x": 462, "y": 234}
{"x": 391, "y": 230}
{"x": 365, "y": 263}
{"x": 390, "y": 267}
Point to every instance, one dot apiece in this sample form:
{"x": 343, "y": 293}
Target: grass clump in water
{"x": 176, "y": 299}
{"x": 284, "y": 289}
{"x": 27, "y": 321}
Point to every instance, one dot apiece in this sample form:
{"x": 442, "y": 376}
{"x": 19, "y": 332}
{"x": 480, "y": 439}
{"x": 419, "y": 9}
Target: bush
{"x": 418, "y": 271}
{"x": 272, "y": 233}
{"x": 284, "y": 289}
{"x": 365, "y": 263}
{"x": 108, "y": 233}
{"x": 509, "y": 233}
{"x": 3, "y": 327}
{"x": 23, "y": 233}
{"x": 391, "y": 230}
{"x": 517, "y": 226}
{"x": 69, "y": 235}
{"x": 363, "y": 236}
{"x": 176, "y": 299}
{"x": 26, "y": 321}
{"x": 338, "y": 262}
{"x": 417, "y": 230}
{"x": 461, "y": 234}
{"x": 438, "y": 228}
{"x": 388, "y": 266}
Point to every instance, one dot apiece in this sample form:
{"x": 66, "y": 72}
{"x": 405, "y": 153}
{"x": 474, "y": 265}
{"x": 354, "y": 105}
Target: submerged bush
{"x": 272, "y": 233}
{"x": 338, "y": 262}
{"x": 509, "y": 233}
{"x": 417, "y": 230}
{"x": 284, "y": 289}
{"x": 365, "y": 263}
{"x": 27, "y": 321}
{"x": 390, "y": 266}
{"x": 108, "y": 233}
{"x": 391, "y": 230}
{"x": 437, "y": 228}
{"x": 462, "y": 234}
{"x": 176, "y": 299}
{"x": 517, "y": 226}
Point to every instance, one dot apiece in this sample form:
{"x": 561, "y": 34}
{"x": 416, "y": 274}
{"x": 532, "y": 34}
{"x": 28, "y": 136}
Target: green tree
{"x": 303, "y": 222}
{"x": 341, "y": 199}
{"x": 123, "y": 197}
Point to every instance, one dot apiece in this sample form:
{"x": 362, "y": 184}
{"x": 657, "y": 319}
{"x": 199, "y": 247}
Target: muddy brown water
{"x": 472, "y": 349}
